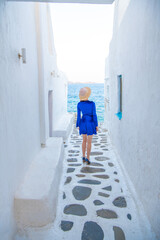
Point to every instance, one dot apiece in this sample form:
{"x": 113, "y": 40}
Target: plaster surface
{"x": 35, "y": 200}
{"x": 19, "y": 104}
{"x": 27, "y": 116}
{"x": 63, "y": 126}
{"x": 134, "y": 54}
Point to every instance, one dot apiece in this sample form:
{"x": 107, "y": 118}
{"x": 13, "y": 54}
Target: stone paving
{"x": 94, "y": 202}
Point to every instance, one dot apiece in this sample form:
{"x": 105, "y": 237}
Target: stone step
{"x": 64, "y": 126}
{"x": 36, "y": 199}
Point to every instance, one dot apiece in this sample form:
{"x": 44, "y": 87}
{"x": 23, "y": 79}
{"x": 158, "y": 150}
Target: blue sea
{"x": 97, "y": 95}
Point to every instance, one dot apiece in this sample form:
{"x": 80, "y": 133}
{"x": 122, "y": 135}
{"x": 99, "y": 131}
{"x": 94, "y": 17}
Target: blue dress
{"x": 88, "y": 123}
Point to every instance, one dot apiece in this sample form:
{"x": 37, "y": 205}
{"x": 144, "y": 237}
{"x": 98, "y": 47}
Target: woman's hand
{"x": 97, "y": 129}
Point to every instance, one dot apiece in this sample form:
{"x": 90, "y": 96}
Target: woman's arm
{"x": 78, "y": 116}
{"x": 95, "y": 115}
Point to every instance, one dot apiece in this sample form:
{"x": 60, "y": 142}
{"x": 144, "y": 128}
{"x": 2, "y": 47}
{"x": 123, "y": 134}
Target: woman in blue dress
{"x": 87, "y": 124}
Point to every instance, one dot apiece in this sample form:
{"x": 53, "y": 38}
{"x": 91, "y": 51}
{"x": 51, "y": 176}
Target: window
{"x": 119, "y": 94}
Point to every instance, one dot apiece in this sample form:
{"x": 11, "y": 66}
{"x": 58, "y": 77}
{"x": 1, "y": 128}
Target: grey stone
{"x": 115, "y": 173}
{"x": 92, "y": 231}
{"x": 73, "y": 151}
{"x": 74, "y": 165}
{"x": 66, "y": 225}
{"x": 109, "y": 188}
{"x": 105, "y": 130}
{"x": 96, "y": 153}
{"x": 64, "y": 195}
{"x": 75, "y": 132}
{"x": 89, "y": 181}
{"x": 92, "y": 170}
{"x": 68, "y": 180}
{"x": 120, "y": 202}
{"x": 97, "y": 144}
{"x": 110, "y": 164}
{"x": 102, "y": 135}
{"x": 65, "y": 145}
{"x": 103, "y": 194}
{"x": 116, "y": 180}
{"x": 69, "y": 170}
{"x": 106, "y": 213}
{"x": 129, "y": 216}
{"x": 105, "y": 149}
{"x": 81, "y": 193}
{"x": 75, "y": 209}
{"x": 118, "y": 233}
{"x": 74, "y": 137}
{"x": 98, "y": 202}
{"x": 76, "y": 146}
{"x": 80, "y": 175}
{"x": 103, "y": 146}
{"x": 96, "y": 164}
{"x": 101, "y": 158}
{"x": 72, "y": 160}
{"x": 104, "y": 176}
{"x": 73, "y": 155}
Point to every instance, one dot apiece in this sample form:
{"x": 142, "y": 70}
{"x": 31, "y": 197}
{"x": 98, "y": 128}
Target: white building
{"x": 33, "y": 103}
{"x": 132, "y": 80}
{"x": 33, "y": 98}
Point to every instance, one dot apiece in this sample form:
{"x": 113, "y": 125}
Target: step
{"x": 64, "y": 126}
{"x": 36, "y": 199}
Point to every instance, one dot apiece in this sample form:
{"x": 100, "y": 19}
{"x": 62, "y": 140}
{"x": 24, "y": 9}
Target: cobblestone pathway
{"x": 94, "y": 202}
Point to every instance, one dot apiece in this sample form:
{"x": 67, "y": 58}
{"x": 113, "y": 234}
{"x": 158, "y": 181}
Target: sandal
{"x": 83, "y": 158}
{"x": 87, "y": 161}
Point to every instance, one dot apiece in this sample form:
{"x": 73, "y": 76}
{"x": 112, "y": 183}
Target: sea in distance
{"x": 97, "y": 95}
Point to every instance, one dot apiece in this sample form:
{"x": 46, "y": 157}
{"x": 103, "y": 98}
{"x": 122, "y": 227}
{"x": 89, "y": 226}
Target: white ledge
{"x": 35, "y": 200}
{"x": 64, "y": 126}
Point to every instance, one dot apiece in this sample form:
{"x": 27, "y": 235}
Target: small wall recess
{"x": 22, "y": 55}
{"x": 53, "y": 73}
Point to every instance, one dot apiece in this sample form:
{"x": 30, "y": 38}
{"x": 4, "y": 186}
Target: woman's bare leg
{"x": 89, "y": 143}
{"x": 84, "y": 144}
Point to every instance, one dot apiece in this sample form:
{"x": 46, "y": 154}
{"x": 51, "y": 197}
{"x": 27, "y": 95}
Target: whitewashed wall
{"x": 134, "y": 53}
{"x": 51, "y": 78}
{"x": 106, "y": 94}
{"x": 60, "y": 86}
{"x": 24, "y": 118}
{"x": 19, "y": 104}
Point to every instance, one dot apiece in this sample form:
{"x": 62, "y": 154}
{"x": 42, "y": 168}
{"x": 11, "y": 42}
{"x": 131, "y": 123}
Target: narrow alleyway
{"x": 94, "y": 202}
